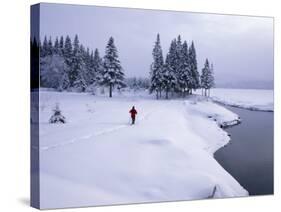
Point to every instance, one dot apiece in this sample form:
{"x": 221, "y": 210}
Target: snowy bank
{"x": 222, "y": 116}
{"x": 98, "y": 158}
{"x": 262, "y": 100}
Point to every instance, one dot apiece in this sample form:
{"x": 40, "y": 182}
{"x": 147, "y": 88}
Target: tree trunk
{"x": 167, "y": 95}
{"x": 110, "y": 90}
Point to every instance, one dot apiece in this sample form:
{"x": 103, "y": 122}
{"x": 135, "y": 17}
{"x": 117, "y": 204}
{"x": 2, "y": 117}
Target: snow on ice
{"x": 98, "y": 158}
{"x": 245, "y": 98}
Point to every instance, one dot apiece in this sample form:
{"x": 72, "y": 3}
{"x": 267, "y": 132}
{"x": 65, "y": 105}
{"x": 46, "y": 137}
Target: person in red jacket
{"x": 133, "y": 114}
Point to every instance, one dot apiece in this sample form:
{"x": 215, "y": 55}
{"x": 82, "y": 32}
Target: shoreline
{"x": 252, "y": 108}
{"x": 226, "y": 156}
{"x": 243, "y": 107}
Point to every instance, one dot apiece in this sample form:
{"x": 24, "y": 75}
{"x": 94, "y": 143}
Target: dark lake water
{"x": 249, "y": 155}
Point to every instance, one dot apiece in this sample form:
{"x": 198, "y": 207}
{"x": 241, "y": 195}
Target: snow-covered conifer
{"x": 56, "y": 46}
{"x": 57, "y": 117}
{"x": 113, "y": 75}
{"x": 185, "y": 76}
{"x": 78, "y": 72}
{"x": 61, "y": 45}
{"x": 67, "y": 51}
{"x": 207, "y": 78}
{"x": 156, "y": 69}
{"x": 97, "y": 68}
{"x": 193, "y": 66}
{"x": 44, "y": 47}
{"x": 169, "y": 73}
{"x": 49, "y": 50}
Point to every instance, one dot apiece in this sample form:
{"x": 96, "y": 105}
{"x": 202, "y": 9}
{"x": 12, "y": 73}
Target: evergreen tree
{"x": 67, "y": 54}
{"x": 193, "y": 66}
{"x": 50, "y": 47}
{"x": 57, "y": 117}
{"x": 185, "y": 76}
{"x": 156, "y": 73}
{"x": 207, "y": 78}
{"x": 44, "y": 49}
{"x": 97, "y": 68}
{"x": 211, "y": 79}
{"x": 56, "y": 46}
{"x": 179, "y": 64}
{"x": 61, "y": 45}
{"x": 68, "y": 50}
{"x": 169, "y": 73}
{"x": 87, "y": 61}
{"x": 77, "y": 74}
{"x": 112, "y": 74}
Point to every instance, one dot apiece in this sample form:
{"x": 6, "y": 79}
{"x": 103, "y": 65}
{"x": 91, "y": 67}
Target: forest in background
{"x": 67, "y": 65}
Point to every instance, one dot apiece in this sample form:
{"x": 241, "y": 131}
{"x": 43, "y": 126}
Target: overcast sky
{"x": 240, "y": 47}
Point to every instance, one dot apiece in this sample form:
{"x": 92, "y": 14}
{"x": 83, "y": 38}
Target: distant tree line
{"x": 178, "y": 73}
{"x": 138, "y": 83}
{"x": 67, "y": 65}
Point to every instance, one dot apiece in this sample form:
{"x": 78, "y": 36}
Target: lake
{"x": 249, "y": 155}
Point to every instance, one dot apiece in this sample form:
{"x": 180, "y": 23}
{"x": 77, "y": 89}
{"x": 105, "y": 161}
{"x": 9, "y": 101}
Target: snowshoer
{"x": 133, "y": 114}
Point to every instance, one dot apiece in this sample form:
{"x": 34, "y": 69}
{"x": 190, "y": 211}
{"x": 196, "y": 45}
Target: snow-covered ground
{"x": 245, "y": 98}
{"x": 98, "y": 158}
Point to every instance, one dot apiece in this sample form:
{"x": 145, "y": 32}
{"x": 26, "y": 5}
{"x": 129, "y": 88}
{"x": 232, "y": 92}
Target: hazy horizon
{"x": 240, "y": 47}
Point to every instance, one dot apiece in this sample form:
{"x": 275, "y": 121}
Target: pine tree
{"x": 179, "y": 64}
{"x": 97, "y": 68}
{"x": 207, "y": 78}
{"x": 193, "y": 67}
{"x": 211, "y": 79}
{"x": 68, "y": 55}
{"x": 113, "y": 73}
{"x": 44, "y": 49}
{"x": 156, "y": 73}
{"x": 57, "y": 117}
{"x": 169, "y": 73}
{"x": 61, "y": 45}
{"x": 87, "y": 61}
{"x": 77, "y": 74}
{"x": 185, "y": 77}
{"x": 56, "y": 46}
{"x": 68, "y": 49}
{"x": 50, "y": 47}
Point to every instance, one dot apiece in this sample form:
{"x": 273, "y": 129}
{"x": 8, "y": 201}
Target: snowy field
{"x": 245, "y": 98}
{"x": 98, "y": 158}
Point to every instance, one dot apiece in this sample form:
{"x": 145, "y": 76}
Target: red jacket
{"x": 133, "y": 112}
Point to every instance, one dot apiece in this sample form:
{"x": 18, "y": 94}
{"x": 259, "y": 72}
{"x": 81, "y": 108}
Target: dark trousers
{"x": 133, "y": 119}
